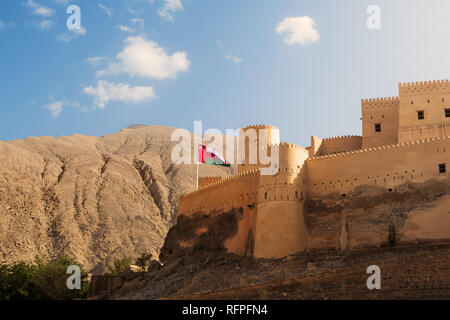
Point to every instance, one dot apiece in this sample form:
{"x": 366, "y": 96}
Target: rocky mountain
{"x": 93, "y": 198}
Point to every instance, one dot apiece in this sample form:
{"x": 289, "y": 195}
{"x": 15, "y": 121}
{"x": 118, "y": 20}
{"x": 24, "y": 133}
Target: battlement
{"x": 259, "y": 126}
{"x": 390, "y": 147}
{"x": 223, "y": 181}
{"x": 292, "y": 146}
{"x": 379, "y": 102}
{"x": 339, "y": 144}
{"x": 341, "y": 138}
{"x": 205, "y": 181}
{"x": 413, "y": 88}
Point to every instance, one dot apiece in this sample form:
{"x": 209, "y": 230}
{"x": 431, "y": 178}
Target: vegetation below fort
{"x": 40, "y": 280}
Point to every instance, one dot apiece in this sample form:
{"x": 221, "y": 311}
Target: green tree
{"x": 16, "y": 281}
{"x": 41, "y": 280}
{"x": 144, "y": 260}
{"x": 50, "y": 280}
{"x": 120, "y": 265}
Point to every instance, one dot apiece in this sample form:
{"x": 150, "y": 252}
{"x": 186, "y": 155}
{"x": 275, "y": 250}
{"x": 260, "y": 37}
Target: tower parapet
{"x": 369, "y": 104}
{"x": 423, "y": 111}
{"x": 418, "y": 88}
{"x": 254, "y": 139}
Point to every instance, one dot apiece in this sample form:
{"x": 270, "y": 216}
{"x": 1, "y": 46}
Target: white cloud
{"x": 135, "y": 11}
{"x": 299, "y": 30}
{"x": 107, "y": 91}
{"x": 45, "y": 24}
{"x": 95, "y": 61}
{"x": 125, "y": 28}
{"x": 56, "y": 108}
{"x": 106, "y": 10}
{"x": 72, "y": 34}
{"x": 147, "y": 59}
{"x": 39, "y": 10}
{"x": 169, "y": 8}
{"x": 81, "y": 31}
{"x": 138, "y": 21}
{"x": 234, "y": 58}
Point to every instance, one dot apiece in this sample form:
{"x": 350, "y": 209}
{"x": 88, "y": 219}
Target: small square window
{"x": 378, "y": 127}
{"x": 447, "y": 113}
{"x": 420, "y": 115}
{"x": 442, "y": 168}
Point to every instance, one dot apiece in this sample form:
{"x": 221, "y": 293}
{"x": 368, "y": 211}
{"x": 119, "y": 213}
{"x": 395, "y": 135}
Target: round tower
{"x": 252, "y": 139}
{"x": 280, "y": 224}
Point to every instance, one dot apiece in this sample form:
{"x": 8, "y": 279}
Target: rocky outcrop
{"x": 93, "y": 198}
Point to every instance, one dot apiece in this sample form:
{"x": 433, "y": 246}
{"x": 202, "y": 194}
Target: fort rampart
{"x": 390, "y": 186}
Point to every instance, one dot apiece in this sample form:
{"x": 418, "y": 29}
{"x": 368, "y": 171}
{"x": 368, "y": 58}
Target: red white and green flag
{"x": 209, "y": 156}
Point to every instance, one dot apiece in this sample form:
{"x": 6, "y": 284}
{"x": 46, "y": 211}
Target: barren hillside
{"x": 92, "y": 198}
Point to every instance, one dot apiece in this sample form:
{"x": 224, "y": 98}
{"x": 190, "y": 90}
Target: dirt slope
{"x": 93, "y": 198}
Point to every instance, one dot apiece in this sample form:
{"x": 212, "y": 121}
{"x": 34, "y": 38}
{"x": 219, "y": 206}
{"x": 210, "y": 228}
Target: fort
{"x": 388, "y": 187}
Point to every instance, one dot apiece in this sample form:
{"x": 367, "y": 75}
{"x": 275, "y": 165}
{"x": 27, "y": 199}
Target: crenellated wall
{"x": 206, "y": 181}
{"x": 236, "y": 192}
{"x": 339, "y": 144}
{"x": 373, "y": 196}
{"x": 385, "y": 166}
{"x": 232, "y": 192}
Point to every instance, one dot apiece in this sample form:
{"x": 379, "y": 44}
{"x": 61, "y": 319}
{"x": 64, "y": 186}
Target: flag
{"x": 209, "y": 156}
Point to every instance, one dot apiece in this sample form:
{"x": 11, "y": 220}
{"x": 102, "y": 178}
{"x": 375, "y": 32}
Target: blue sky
{"x": 227, "y": 63}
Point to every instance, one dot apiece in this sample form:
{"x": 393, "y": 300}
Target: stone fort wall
{"x": 386, "y": 166}
{"x": 385, "y": 195}
{"x": 239, "y": 191}
{"x": 339, "y": 144}
{"x": 205, "y": 181}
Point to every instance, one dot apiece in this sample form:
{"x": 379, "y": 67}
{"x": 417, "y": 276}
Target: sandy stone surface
{"x": 93, "y": 198}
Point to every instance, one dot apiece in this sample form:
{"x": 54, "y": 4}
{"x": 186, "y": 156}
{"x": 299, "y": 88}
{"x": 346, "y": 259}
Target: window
{"x": 442, "y": 168}
{"x": 378, "y": 127}
{"x": 447, "y": 113}
{"x": 421, "y": 115}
